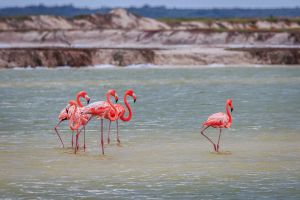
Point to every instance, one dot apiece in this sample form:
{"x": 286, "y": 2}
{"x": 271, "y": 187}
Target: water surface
{"x": 162, "y": 154}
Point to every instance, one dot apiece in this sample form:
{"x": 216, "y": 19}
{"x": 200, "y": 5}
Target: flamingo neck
{"x": 128, "y": 118}
{"x": 228, "y": 113}
{"x": 78, "y": 100}
{"x": 73, "y": 125}
{"x": 111, "y": 117}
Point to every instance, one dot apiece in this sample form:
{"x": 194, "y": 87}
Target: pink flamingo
{"x": 102, "y": 109}
{"x": 64, "y": 114}
{"x": 121, "y": 113}
{"x": 218, "y": 120}
{"x": 77, "y": 119}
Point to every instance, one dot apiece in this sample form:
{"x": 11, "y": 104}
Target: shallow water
{"x": 162, "y": 154}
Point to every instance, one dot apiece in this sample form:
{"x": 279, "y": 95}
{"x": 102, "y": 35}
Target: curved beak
{"x": 231, "y": 109}
{"x": 87, "y": 98}
{"x": 134, "y": 98}
{"x": 116, "y": 98}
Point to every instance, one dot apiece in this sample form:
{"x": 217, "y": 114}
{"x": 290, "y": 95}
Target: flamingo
{"x": 64, "y": 114}
{"x": 218, "y": 120}
{"x": 76, "y": 119}
{"x": 102, "y": 109}
{"x": 121, "y": 113}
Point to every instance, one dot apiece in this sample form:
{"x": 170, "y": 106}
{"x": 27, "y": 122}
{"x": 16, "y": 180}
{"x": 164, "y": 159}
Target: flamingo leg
{"x": 108, "y": 138}
{"x": 102, "y": 142}
{"x": 84, "y": 126}
{"x": 55, "y": 128}
{"x": 219, "y": 140}
{"x": 118, "y": 139}
{"x": 84, "y": 138}
{"x": 202, "y": 132}
{"x": 76, "y": 143}
{"x": 72, "y": 138}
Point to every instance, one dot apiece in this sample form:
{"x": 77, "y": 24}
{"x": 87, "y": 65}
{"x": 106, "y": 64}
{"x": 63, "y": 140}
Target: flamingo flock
{"x": 79, "y": 116}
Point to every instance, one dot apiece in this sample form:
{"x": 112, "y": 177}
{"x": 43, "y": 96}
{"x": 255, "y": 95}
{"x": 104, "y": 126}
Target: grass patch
{"x": 231, "y": 20}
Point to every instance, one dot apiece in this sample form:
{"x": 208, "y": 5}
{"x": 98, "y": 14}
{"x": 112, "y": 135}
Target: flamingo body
{"x": 218, "y": 120}
{"x": 101, "y": 110}
{"x": 63, "y": 115}
{"x": 121, "y": 112}
{"x": 98, "y": 109}
{"x": 77, "y": 119}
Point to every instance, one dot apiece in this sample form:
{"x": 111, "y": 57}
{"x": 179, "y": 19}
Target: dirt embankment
{"x": 122, "y": 38}
{"x": 80, "y": 57}
{"x": 116, "y": 19}
{"x": 132, "y": 38}
{"x": 121, "y": 28}
{"x": 122, "y": 19}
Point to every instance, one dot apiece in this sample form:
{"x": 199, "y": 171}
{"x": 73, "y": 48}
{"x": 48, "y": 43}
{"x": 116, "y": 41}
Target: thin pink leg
{"x": 108, "y": 137}
{"x": 118, "y": 139}
{"x": 55, "y": 128}
{"x": 72, "y": 139}
{"x": 76, "y": 143}
{"x": 84, "y": 138}
{"x": 102, "y": 142}
{"x": 219, "y": 140}
{"x": 202, "y": 132}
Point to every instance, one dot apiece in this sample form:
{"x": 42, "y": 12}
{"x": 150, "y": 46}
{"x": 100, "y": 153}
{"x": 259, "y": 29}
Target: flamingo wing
{"x": 96, "y": 108}
{"x": 217, "y": 120}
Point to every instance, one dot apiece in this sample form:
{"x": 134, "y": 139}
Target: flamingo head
{"x": 229, "y": 103}
{"x": 113, "y": 93}
{"x": 131, "y": 93}
{"x": 85, "y": 96}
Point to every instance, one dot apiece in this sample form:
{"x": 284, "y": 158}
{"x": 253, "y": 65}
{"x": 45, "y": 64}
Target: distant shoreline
{"x": 121, "y": 38}
{"x": 52, "y": 57}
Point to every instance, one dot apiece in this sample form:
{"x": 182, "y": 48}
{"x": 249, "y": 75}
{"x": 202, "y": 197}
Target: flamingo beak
{"x": 117, "y": 98}
{"x": 231, "y": 109}
{"x": 134, "y": 98}
{"x": 87, "y": 99}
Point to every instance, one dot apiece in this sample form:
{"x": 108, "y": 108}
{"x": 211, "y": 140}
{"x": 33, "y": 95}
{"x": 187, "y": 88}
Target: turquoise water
{"x": 162, "y": 155}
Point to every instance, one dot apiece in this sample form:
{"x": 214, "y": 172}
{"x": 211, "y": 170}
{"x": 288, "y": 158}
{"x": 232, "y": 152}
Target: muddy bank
{"x": 288, "y": 56}
{"x": 74, "y": 57}
{"x": 81, "y": 57}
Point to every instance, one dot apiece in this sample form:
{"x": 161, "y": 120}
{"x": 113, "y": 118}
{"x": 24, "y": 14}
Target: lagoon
{"x": 162, "y": 154}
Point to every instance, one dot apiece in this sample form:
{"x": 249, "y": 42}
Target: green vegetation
{"x": 17, "y": 18}
{"x": 230, "y": 20}
{"x": 249, "y": 25}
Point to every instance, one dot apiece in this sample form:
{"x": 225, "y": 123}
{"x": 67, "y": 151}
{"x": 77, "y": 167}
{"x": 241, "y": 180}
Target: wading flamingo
{"x": 121, "y": 113}
{"x": 102, "y": 109}
{"x": 218, "y": 120}
{"x": 64, "y": 115}
{"x": 76, "y": 120}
